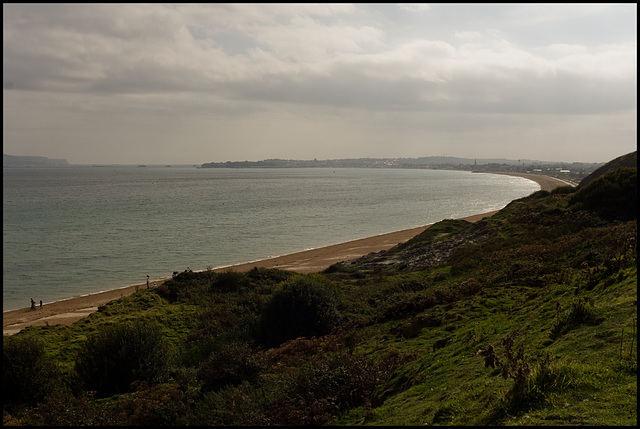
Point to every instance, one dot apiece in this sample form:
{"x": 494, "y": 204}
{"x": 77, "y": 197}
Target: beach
{"x": 73, "y": 309}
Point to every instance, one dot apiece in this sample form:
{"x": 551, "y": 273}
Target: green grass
{"x": 63, "y": 342}
{"x": 450, "y": 385}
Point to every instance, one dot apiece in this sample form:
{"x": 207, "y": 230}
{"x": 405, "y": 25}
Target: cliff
{"x": 31, "y": 161}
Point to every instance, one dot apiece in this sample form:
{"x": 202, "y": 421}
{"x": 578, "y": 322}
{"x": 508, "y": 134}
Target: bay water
{"x": 79, "y": 230}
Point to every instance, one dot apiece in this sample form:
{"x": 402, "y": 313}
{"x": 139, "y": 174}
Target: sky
{"x": 196, "y": 83}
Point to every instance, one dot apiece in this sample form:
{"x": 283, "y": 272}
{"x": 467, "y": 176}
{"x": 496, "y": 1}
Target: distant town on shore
{"x": 571, "y": 171}
{"x": 429, "y": 162}
{"x": 568, "y": 170}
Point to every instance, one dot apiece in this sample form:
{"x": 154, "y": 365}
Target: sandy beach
{"x": 315, "y": 260}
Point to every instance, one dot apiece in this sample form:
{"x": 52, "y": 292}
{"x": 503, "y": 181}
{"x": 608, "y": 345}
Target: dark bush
{"x": 231, "y": 364}
{"x": 470, "y": 286}
{"x": 568, "y": 189}
{"x": 305, "y": 306}
{"x": 613, "y": 196}
{"x": 188, "y": 286}
{"x": 241, "y": 405}
{"x": 110, "y": 360}
{"x": 28, "y": 375}
{"x": 229, "y": 281}
{"x": 163, "y": 405}
{"x": 268, "y": 276}
{"x": 329, "y": 384}
{"x": 539, "y": 195}
{"x": 64, "y": 409}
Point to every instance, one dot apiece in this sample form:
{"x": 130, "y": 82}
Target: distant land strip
{"x": 428, "y": 162}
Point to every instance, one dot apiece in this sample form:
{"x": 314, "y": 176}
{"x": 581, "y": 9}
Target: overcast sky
{"x": 161, "y": 83}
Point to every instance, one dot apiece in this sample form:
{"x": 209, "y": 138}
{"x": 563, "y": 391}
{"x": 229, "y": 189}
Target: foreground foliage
{"x": 112, "y": 359}
{"x": 530, "y": 318}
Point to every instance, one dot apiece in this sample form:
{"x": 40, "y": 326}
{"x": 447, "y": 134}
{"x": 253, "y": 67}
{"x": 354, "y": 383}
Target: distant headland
{"x": 31, "y": 161}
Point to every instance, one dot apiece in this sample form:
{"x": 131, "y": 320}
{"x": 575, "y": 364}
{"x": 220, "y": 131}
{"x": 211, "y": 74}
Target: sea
{"x": 79, "y": 230}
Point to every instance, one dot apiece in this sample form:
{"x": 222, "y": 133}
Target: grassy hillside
{"x": 628, "y": 160}
{"x": 528, "y": 317}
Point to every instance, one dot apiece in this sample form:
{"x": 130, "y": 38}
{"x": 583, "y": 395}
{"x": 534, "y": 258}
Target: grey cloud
{"x": 497, "y": 90}
{"x": 142, "y": 49}
{"x": 371, "y": 71}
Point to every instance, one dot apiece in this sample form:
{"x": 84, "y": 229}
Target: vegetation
{"x": 612, "y": 196}
{"x": 304, "y": 306}
{"x": 27, "y": 372}
{"x": 110, "y": 360}
{"x": 526, "y": 318}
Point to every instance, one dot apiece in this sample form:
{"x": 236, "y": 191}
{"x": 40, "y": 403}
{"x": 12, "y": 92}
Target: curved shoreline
{"x": 72, "y": 309}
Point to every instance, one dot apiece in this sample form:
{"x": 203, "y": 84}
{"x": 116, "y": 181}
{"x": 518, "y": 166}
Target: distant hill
{"x": 628, "y": 160}
{"x": 31, "y": 161}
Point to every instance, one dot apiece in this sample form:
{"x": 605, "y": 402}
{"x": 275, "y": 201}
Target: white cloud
{"x": 306, "y": 40}
{"x": 468, "y": 35}
{"x": 414, "y": 7}
{"x": 540, "y": 13}
{"x": 612, "y": 62}
{"x": 560, "y": 50}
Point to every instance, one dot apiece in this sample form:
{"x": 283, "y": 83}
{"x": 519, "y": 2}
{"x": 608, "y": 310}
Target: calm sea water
{"x": 79, "y": 230}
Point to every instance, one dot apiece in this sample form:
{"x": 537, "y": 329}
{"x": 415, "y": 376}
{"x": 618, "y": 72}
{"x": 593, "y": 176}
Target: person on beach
{"x": 33, "y": 304}
{"x": 147, "y": 281}
{"x": 40, "y": 303}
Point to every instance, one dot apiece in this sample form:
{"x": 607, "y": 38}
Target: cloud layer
{"x": 140, "y": 83}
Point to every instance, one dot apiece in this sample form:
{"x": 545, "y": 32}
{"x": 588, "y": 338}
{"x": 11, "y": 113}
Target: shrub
{"x": 231, "y": 364}
{"x": 328, "y": 384}
{"x": 612, "y": 196}
{"x": 66, "y": 410}
{"x": 110, "y": 360}
{"x": 164, "y": 405}
{"x": 28, "y": 375}
{"x": 582, "y": 312}
{"x": 513, "y": 365}
{"x": 568, "y": 189}
{"x": 241, "y": 405}
{"x": 305, "y": 306}
{"x": 268, "y": 276}
{"x": 545, "y": 381}
{"x": 229, "y": 281}
{"x": 188, "y": 286}
{"x": 470, "y": 286}
{"x": 297, "y": 352}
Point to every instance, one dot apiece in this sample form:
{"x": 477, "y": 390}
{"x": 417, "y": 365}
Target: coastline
{"x": 73, "y": 309}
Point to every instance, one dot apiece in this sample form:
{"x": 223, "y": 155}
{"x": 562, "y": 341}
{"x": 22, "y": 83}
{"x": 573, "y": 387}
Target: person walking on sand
{"x": 33, "y": 304}
{"x": 147, "y": 281}
{"x": 40, "y": 303}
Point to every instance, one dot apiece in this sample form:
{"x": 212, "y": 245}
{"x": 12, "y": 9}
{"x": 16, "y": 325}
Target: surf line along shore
{"x": 73, "y": 309}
